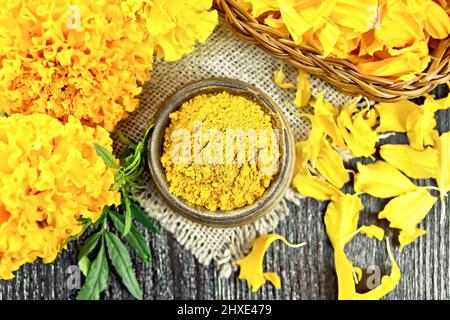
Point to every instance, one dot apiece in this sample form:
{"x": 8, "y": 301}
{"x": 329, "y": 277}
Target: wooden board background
{"x": 306, "y": 273}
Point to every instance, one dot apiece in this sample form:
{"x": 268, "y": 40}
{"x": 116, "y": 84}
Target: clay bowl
{"x": 280, "y": 182}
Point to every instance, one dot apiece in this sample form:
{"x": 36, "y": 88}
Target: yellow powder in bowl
{"x": 220, "y": 151}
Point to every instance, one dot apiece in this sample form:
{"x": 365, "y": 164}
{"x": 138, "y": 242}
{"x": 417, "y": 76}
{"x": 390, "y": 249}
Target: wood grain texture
{"x": 307, "y": 273}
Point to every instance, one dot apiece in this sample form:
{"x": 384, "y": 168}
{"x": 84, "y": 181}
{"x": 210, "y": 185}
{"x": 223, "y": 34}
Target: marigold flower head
{"x": 50, "y": 177}
{"x": 72, "y": 57}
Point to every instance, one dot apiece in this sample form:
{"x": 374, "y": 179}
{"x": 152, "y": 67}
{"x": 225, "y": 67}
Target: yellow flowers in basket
{"x": 386, "y": 38}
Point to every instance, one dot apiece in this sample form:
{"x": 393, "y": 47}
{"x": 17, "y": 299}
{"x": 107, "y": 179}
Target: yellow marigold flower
{"x": 50, "y": 176}
{"x": 175, "y": 25}
{"x": 72, "y": 57}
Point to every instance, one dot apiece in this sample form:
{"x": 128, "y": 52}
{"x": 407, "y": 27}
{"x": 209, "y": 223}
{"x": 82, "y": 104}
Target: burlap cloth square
{"x": 223, "y": 55}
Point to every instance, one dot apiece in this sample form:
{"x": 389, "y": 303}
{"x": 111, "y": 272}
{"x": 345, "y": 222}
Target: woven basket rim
{"x": 341, "y": 73}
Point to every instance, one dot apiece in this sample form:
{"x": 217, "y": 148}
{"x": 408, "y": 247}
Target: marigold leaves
{"x": 382, "y": 180}
{"x": 417, "y": 164}
{"x": 373, "y": 231}
{"x": 251, "y": 266}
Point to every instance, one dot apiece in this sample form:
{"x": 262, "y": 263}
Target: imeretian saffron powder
{"x": 220, "y": 151}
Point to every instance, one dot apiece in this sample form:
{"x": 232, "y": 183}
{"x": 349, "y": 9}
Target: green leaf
{"x": 97, "y": 278}
{"x": 120, "y": 259}
{"x": 84, "y": 264}
{"x": 143, "y": 218}
{"x": 89, "y": 245}
{"x": 134, "y": 238}
{"x": 106, "y": 156}
{"x": 128, "y": 215}
{"x": 126, "y": 141}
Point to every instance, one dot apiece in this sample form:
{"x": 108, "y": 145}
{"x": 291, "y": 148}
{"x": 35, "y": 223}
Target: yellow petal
{"x": 296, "y": 23}
{"x": 303, "y": 94}
{"x": 388, "y": 283}
{"x": 357, "y": 131}
{"x": 406, "y": 237}
{"x": 437, "y": 23}
{"x": 393, "y": 116}
{"x": 420, "y": 128}
{"x": 443, "y": 165}
{"x": 406, "y": 211}
{"x": 382, "y": 180}
{"x": 373, "y": 231}
{"x": 278, "y": 78}
{"x": 330, "y": 165}
{"x": 325, "y": 118}
{"x": 417, "y": 164}
{"x": 408, "y": 64}
{"x": 341, "y": 219}
{"x": 314, "y": 187}
{"x": 251, "y": 267}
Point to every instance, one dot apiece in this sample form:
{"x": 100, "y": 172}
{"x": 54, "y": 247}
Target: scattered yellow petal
{"x": 406, "y": 211}
{"x": 330, "y": 165}
{"x": 341, "y": 219}
{"x": 279, "y": 77}
{"x": 325, "y": 118}
{"x": 303, "y": 94}
{"x": 373, "y": 231}
{"x": 357, "y": 131}
{"x": 388, "y": 283}
{"x": 417, "y": 164}
{"x": 406, "y": 237}
{"x": 393, "y": 116}
{"x": 382, "y": 180}
{"x": 314, "y": 187}
{"x": 420, "y": 128}
{"x": 251, "y": 266}
{"x": 443, "y": 164}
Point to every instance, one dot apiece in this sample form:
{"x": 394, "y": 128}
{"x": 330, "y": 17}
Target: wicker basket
{"x": 339, "y": 72}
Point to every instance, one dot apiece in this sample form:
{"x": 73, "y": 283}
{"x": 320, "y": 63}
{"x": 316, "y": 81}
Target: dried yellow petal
{"x": 420, "y": 128}
{"x": 341, "y": 219}
{"x": 388, "y": 283}
{"x": 303, "y": 94}
{"x": 251, "y": 266}
{"x": 325, "y": 118}
{"x": 417, "y": 164}
{"x": 357, "y": 131}
{"x": 406, "y": 211}
{"x": 314, "y": 187}
{"x": 279, "y": 77}
{"x": 443, "y": 164}
{"x": 406, "y": 237}
{"x": 393, "y": 116}
{"x": 382, "y": 180}
{"x": 330, "y": 165}
{"x": 373, "y": 231}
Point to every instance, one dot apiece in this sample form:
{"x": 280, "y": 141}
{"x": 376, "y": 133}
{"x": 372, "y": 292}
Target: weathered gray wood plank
{"x": 307, "y": 273}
